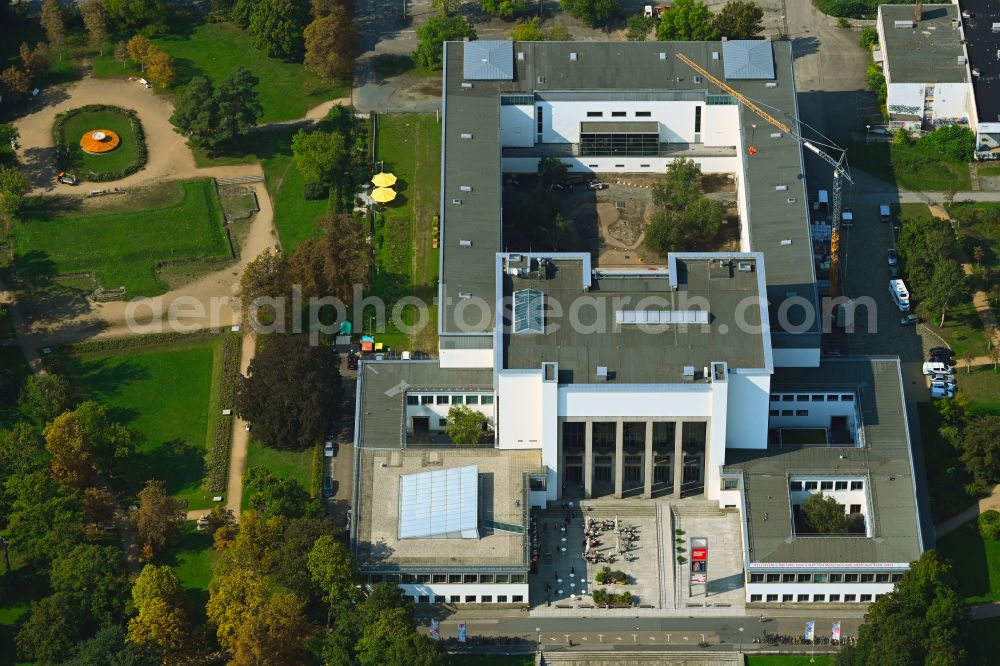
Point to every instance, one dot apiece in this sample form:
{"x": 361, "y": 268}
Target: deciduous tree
{"x": 139, "y": 50}
{"x": 946, "y": 288}
{"x": 264, "y": 279}
{"x": 591, "y": 12}
{"x": 276, "y": 27}
{"x": 274, "y": 496}
{"x": 278, "y": 633}
{"x": 47, "y": 396}
{"x": 981, "y": 448}
{"x": 109, "y": 648}
{"x": 95, "y": 19}
{"x": 238, "y": 104}
{"x": 73, "y": 457}
{"x": 740, "y": 19}
{"x": 291, "y": 392}
{"x": 15, "y": 84}
{"x": 162, "y": 618}
{"x": 54, "y": 23}
{"x": 551, "y": 170}
{"x": 13, "y": 186}
{"x": 465, "y": 426}
{"x": 91, "y": 579}
{"x": 433, "y": 34}
{"x": 507, "y": 9}
{"x": 687, "y": 21}
{"x": 158, "y": 517}
{"x": 234, "y": 599}
{"x": 639, "y": 27}
{"x": 98, "y": 505}
{"x": 43, "y": 517}
{"x": 197, "y": 114}
{"x": 336, "y": 263}
{"x": 824, "y": 515}
{"x": 331, "y": 45}
{"x": 161, "y": 68}
{"x": 22, "y": 450}
{"x": 334, "y": 573}
{"x": 530, "y": 30}
{"x": 48, "y": 634}
{"x": 135, "y": 13}
{"x": 318, "y": 153}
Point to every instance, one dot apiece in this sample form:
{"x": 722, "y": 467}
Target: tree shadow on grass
{"x": 967, "y": 549}
{"x": 178, "y": 464}
{"x": 106, "y": 378}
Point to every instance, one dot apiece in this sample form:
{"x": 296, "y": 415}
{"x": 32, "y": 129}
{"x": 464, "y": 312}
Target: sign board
{"x": 461, "y": 632}
{"x": 810, "y": 630}
{"x": 699, "y": 554}
{"x": 835, "y": 631}
{"x": 698, "y": 567}
{"x": 698, "y": 579}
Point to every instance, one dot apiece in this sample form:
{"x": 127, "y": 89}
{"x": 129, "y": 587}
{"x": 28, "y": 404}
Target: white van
{"x": 937, "y": 368}
{"x": 823, "y": 199}
{"x": 900, "y": 295}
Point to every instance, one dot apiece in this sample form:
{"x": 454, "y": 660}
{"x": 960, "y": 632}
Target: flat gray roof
{"x": 601, "y": 69}
{"x": 926, "y": 53}
{"x": 382, "y": 387}
{"x": 884, "y": 462}
{"x": 640, "y": 354}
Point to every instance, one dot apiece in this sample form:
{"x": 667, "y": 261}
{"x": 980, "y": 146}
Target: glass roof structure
{"x": 529, "y": 311}
{"x": 443, "y": 504}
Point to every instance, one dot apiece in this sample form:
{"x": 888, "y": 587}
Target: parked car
{"x": 939, "y": 393}
{"x": 909, "y": 320}
{"x": 939, "y": 358}
{"x": 943, "y": 379}
{"x": 67, "y": 178}
{"x": 941, "y": 351}
{"x": 597, "y": 185}
{"x": 937, "y": 368}
{"x": 941, "y": 383}
{"x": 884, "y": 213}
{"x": 890, "y": 256}
{"x": 328, "y": 450}
{"x": 352, "y": 361}
{"x": 894, "y": 271}
{"x": 327, "y": 487}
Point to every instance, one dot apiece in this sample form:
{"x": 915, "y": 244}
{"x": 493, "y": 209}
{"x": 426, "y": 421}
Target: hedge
{"x": 58, "y": 133}
{"x": 136, "y": 341}
{"x": 316, "y": 482}
{"x": 218, "y": 462}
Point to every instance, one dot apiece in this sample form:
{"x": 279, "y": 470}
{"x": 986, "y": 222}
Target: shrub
{"x": 316, "y": 480}
{"x": 315, "y": 191}
{"x": 869, "y": 37}
{"x": 954, "y": 142}
{"x": 843, "y": 23}
{"x": 218, "y": 466}
{"x": 62, "y": 156}
{"x": 989, "y": 524}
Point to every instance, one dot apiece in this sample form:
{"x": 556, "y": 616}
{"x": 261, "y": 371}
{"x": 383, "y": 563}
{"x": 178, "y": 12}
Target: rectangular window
{"x": 455, "y": 599}
{"x": 850, "y": 597}
{"x": 788, "y": 597}
{"x": 471, "y": 579}
{"x": 440, "y": 578}
{"x": 802, "y": 398}
{"x": 851, "y": 578}
{"x": 697, "y": 119}
{"x": 538, "y": 116}
{"x": 487, "y": 400}
{"x": 426, "y": 400}
{"x": 442, "y": 423}
{"x": 818, "y": 397}
{"x": 836, "y": 578}
{"x": 755, "y": 598}
{"x": 773, "y": 412}
{"x": 457, "y": 399}
{"x": 439, "y": 598}
{"x": 503, "y": 578}
{"x": 517, "y": 598}
{"x": 834, "y": 597}
{"x": 773, "y": 578}
{"x": 772, "y": 597}
{"x": 802, "y": 597}
{"x": 811, "y": 485}
{"x": 820, "y": 578}
{"x": 470, "y": 598}
{"x": 487, "y": 598}
{"x": 795, "y": 485}
{"x": 618, "y": 114}
{"x": 606, "y": 142}
{"x": 756, "y": 578}
{"x": 501, "y": 598}
{"x": 643, "y": 114}
{"x": 826, "y": 485}
{"x": 412, "y": 400}
{"x": 485, "y": 578}
{"x": 882, "y": 578}
{"x": 472, "y": 399}
{"x": 840, "y": 485}
{"x": 802, "y": 412}
{"x": 454, "y": 578}
{"x": 787, "y": 578}
{"x": 423, "y": 599}
{"x": 896, "y": 577}
{"x": 855, "y": 508}
{"x": 805, "y": 578}
{"x": 516, "y": 578}
{"x": 833, "y": 398}
{"x": 595, "y": 114}
{"x": 787, "y": 412}
{"x": 857, "y": 485}
{"x": 819, "y": 597}
{"x": 788, "y": 398}
{"x": 730, "y": 484}
{"x": 867, "y": 578}
{"x": 441, "y": 400}
{"x": 865, "y": 597}
{"x": 847, "y": 397}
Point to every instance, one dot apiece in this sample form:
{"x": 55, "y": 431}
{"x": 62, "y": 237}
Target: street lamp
{"x": 539, "y": 630}
{"x": 740, "y": 648}
{"x": 867, "y": 130}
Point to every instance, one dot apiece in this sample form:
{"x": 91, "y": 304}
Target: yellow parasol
{"x": 383, "y": 180}
{"x": 383, "y": 195}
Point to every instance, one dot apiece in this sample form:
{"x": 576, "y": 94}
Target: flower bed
{"x": 127, "y": 158}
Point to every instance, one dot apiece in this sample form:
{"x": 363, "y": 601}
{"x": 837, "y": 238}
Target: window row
{"x": 469, "y": 599}
{"x": 620, "y": 114}
{"x": 812, "y": 397}
{"x": 825, "y": 485}
{"x": 449, "y": 399}
{"x": 825, "y": 577}
{"x": 788, "y": 412}
{"x": 847, "y": 598}
{"x": 452, "y": 579}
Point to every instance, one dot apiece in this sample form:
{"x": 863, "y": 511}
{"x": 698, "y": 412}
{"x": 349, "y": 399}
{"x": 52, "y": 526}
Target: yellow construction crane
{"x": 839, "y": 169}
{"x": 729, "y": 89}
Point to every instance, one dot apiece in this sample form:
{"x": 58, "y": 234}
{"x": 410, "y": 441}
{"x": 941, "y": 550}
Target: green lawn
{"x": 13, "y": 371}
{"x": 17, "y": 590}
{"x": 982, "y": 386}
{"x": 83, "y": 164}
{"x": 909, "y": 167}
{"x": 286, "y": 90}
{"x": 790, "y": 660}
{"x": 977, "y": 563}
{"x": 409, "y": 146}
{"x": 947, "y": 477}
{"x": 170, "y": 395}
{"x": 285, "y": 464}
{"x": 390, "y": 64}
{"x": 122, "y": 247}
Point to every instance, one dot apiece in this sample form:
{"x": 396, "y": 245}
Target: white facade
{"x": 478, "y": 593}
{"x": 622, "y": 165}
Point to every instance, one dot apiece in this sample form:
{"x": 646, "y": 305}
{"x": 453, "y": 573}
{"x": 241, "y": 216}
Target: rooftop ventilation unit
{"x": 465, "y": 188}
{"x": 770, "y": 84}
{"x": 663, "y": 56}
{"x": 961, "y": 60}
{"x": 520, "y": 56}
{"x": 467, "y": 86}
{"x": 457, "y": 202}
{"x": 780, "y": 188}
{"x": 775, "y": 135}
{"x": 697, "y": 79}
{"x": 541, "y": 79}
{"x": 954, "y": 23}
{"x": 715, "y": 55}
{"x": 687, "y": 374}
{"x": 966, "y": 14}
{"x": 996, "y": 27}
{"x": 466, "y": 135}
{"x": 902, "y": 24}
{"x": 465, "y": 243}
{"x": 465, "y": 295}
{"x": 787, "y": 241}
{"x": 744, "y": 266}
{"x": 791, "y": 199}
{"x": 572, "y": 56}
{"x": 661, "y": 317}
{"x": 602, "y": 373}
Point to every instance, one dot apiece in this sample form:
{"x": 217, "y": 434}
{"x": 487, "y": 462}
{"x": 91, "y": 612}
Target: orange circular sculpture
{"x": 97, "y": 142}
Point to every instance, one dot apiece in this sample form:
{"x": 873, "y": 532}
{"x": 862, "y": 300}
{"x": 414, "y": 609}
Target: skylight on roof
{"x": 443, "y": 504}
{"x": 529, "y": 311}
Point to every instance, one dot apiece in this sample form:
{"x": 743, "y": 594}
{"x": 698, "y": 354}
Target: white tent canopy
{"x": 440, "y": 505}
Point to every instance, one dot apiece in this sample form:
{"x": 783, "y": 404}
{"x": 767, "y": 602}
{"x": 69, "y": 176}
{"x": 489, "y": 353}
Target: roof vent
{"x": 466, "y": 135}
{"x": 775, "y": 135}
{"x": 715, "y": 55}
{"x": 697, "y": 79}
{"x": 688, "y": 374}
{"x": 996, "y": 27}
{"x": 541, "y": 79}
{"x": 787, "y": 241}
{"x": 457, "y": 202}
{"x": 744, "y": 266}
{"x": 572, "y": 56}
{"x": 464, "y": 295}
{"x": 465, "y": 243}
{"x": 466, "y": 85}
{"x": 520, "y": 56}
{"x": 770, "y": 84}
{"x": 791, "y": 199}
{"x": 663, "y": 56}
{"x": 465, "y": 188}
{"x": 902, "y": 24}
{"x": 780, "y": 188}
{"x": 961, "y": 60}
{"x": 602, "y": 373}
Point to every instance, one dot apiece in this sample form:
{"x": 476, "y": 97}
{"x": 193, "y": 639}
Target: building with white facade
{"x": 698, "y": 378}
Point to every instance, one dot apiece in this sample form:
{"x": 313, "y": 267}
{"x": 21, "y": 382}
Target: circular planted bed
{"x": 99, "y": 143}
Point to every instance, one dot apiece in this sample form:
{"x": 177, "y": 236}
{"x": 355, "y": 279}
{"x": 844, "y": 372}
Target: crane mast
{"x": 840, "y": 172}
